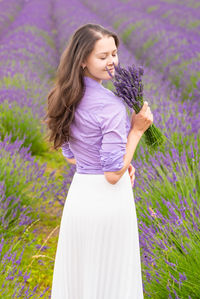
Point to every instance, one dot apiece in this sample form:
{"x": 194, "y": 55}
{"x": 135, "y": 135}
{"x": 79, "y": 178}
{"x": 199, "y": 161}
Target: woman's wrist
{"x": 71, "y": 160}
{"x": 137, "y": 132}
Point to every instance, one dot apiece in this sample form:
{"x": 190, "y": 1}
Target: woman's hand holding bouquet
{"x": 141, "y": 121}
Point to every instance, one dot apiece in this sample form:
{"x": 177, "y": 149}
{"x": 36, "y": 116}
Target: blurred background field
{"x": 162, "y": 36}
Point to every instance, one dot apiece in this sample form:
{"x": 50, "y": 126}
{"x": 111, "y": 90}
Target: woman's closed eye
{"x": 105, "y": 57}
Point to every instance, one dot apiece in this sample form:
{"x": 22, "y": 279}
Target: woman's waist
{"x": 88, "y": 171}
{"x": 95, "y": 187}
{"x": 94, "y": 173}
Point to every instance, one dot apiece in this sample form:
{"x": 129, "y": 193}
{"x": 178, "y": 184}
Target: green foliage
{"x": 178, "y": 183}
{"x": 127, "y": 32}
{"x": 152, "y": 8}
{"x": 38, "y": 32}
{"x": 16, "y": 176}
{"x": 118, "y": 23}
{"x": 149, "y": 43}
{"x": 166, "y": 14}
{"x": 32, "y": 260}
{"x": 193, "y": 24}
{"x": 21, "y": 123}
{"x": 11, "y": 18}
{"x": 18, "y": 80}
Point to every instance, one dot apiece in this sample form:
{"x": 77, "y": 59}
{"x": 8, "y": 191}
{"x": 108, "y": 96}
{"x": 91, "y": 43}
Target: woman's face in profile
{"x": 103, "y": 55}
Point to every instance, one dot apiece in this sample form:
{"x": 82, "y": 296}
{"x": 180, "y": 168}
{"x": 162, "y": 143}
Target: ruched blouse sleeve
{"x": 66, "y": 151}
{"x": 112, "y": 120}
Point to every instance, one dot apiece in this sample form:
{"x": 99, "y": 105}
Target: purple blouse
{"x": 100, "y": 127}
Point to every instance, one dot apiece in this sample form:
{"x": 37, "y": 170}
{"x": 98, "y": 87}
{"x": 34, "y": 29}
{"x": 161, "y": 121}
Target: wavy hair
{"x": 69, "y": 88}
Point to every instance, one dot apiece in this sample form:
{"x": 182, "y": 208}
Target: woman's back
{"x": 100, "y": 128}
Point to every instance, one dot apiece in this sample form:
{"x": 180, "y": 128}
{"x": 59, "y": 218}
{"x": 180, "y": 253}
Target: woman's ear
{"x": 83, "y": 64}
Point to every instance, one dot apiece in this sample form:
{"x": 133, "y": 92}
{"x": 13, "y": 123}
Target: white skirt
{"x": 98, "y": 253}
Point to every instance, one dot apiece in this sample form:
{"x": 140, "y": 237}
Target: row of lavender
{"x": 167, "y": 183}
{"x": 183, "y": 16}
{"x": 9, "y": 11}
{"x": 28, "y": 58}
{"x": 189, "y": 4}
{"x": 158, "y": 44}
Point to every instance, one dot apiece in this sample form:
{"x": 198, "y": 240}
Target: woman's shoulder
{"x": 102, "y": 103}
{"x": 108, "y": 106}
{"x": 113, "y": 104}
{"x": 108, "y": 98}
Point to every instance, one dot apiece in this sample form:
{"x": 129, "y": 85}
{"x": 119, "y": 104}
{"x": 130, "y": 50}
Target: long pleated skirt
{"x": 98, "y": 253}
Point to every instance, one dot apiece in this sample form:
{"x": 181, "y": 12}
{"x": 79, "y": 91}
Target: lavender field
{"x": 162, "y": 36}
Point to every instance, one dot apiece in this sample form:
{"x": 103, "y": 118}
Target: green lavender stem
{"x": 153, "y": 136}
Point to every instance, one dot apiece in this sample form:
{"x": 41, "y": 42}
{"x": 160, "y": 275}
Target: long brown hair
{"x": 69, "y": 83}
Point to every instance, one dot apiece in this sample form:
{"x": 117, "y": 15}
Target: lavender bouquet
{"x": 128, "y": 86}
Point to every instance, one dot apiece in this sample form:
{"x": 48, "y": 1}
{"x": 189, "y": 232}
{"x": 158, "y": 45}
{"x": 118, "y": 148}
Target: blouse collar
{"x": 91, "y": 82}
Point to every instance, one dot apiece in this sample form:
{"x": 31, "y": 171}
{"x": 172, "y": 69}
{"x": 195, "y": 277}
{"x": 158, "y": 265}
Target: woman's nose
{"x": 110, "y": 63}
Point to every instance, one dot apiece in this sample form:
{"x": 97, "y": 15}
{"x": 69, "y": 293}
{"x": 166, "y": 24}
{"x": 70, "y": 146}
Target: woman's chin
{"x": 109, "y": 76}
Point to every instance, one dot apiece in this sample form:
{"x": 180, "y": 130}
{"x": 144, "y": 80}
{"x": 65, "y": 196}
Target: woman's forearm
{"x": 133, "y": 139}
{"x": 132, "y": 142}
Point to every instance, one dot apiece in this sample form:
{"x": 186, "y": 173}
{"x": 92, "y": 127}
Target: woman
{"x": 98, "y": 254}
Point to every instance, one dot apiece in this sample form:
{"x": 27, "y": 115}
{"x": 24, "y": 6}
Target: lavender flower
{"x": 129, "y": 87}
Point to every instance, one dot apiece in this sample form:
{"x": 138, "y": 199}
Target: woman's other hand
{"x": 142, "y": 120}
{"x": 131, "y": 170}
